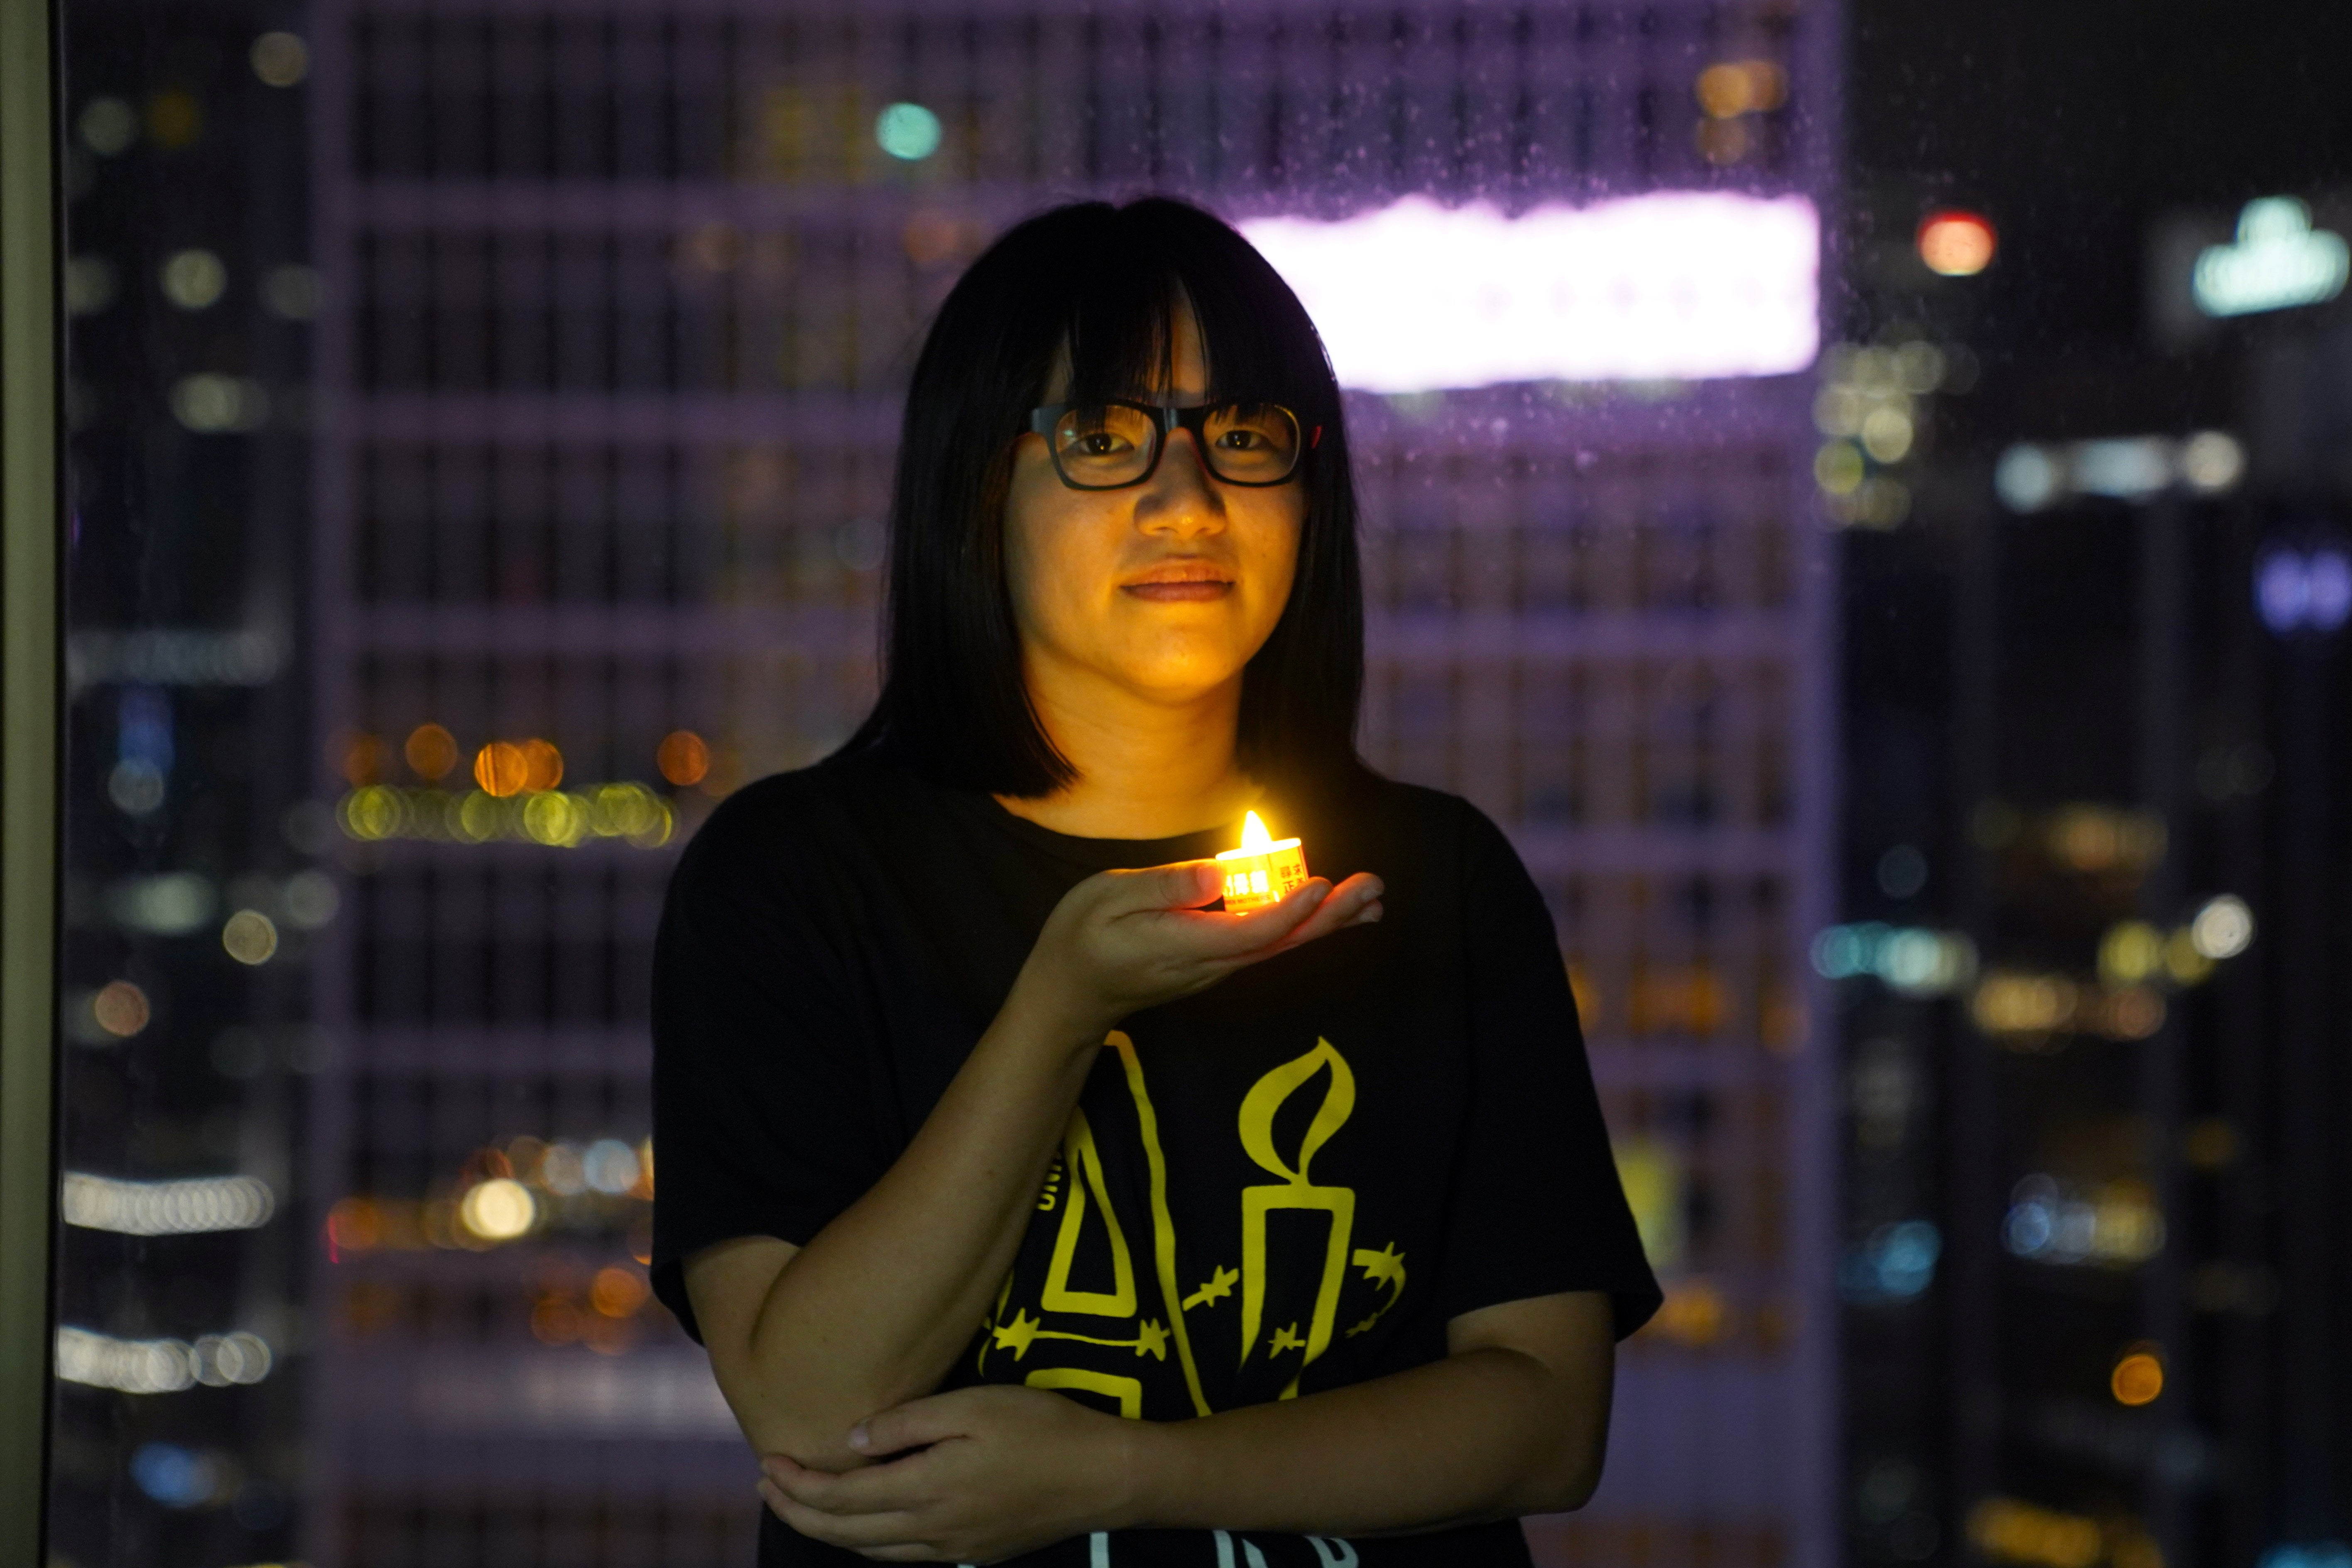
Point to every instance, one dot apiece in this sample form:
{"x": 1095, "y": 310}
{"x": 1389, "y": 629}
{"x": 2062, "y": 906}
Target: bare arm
{"x": 1513, "y": 1421}
{"x": 872, "y": 1312}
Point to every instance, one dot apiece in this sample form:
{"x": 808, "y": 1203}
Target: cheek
{"x": 1274, "y": 538}
{"x": 1051, "y": 551}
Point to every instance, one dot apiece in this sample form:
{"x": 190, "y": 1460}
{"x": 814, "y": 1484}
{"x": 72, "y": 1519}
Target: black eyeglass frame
{"x": 1166, "y": 419}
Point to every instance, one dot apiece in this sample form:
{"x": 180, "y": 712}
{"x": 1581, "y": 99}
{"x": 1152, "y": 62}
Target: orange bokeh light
{"x": 502, "y": 769}
{"x": 431, "y": 751}
{"x": 616, "y": 1292}
{"x": 2138, "y": 1378}
{"x": 359, "y": 758}
{"x": 1955, "y": 244}
{"x": 542, "y": 765}
{"x": 683, "y": 758}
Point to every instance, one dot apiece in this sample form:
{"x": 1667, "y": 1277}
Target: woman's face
{"x": 1164, "y": 589}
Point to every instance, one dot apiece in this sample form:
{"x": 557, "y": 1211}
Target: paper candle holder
{"x": 1265, "y": 870}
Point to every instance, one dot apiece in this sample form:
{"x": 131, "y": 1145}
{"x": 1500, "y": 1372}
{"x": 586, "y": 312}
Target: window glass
{"x": 1857, "y": 493}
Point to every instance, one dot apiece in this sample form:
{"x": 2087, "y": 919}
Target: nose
{"x": 1179, "y": 500}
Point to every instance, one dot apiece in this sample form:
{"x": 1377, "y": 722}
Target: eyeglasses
{"x": 1109, "y": 446}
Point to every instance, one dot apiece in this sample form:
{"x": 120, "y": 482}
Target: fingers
{"x": 915, "y": 1423}
{"x": 1355, "y": 902}
{"x": 1250, "y": 931}
{"x": 892, "y": 1486}
{"x": 890, "y": 1537}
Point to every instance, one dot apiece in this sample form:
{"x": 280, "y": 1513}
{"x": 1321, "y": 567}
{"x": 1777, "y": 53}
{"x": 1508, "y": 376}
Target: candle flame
{"x": 1254, "y": 838}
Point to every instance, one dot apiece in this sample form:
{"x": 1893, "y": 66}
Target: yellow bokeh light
{"x": 554, "y": 820}
{"x": 250, "y": 936}
{"x": 2182, "y": 960}
{"x": 1732, "y": 88}
{"x": 371, "y": 813}
{"x": 2138, "y": 1379}
{"x": 498, "y": 1209}
{"x": 683, "y": 758}
{"x": 431, "y": 751}
{"x": 1723, "y": 140}
{"x": 1837, "y": 467}
{"x": 501, "y": 768}
{"x": 1887, "y": 434}
{"x": 2130, "y": 952}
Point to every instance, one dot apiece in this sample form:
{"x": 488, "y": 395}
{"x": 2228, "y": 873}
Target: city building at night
{"x": 613, "y": 308}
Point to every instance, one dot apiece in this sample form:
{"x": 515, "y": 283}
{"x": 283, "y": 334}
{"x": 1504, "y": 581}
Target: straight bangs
{"x": 1119, "y": 331}
{"x": 1095, "y": 289}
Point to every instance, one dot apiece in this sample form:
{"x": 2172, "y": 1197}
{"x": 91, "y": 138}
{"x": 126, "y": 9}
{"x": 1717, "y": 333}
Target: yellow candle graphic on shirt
{"x": 1296, "y": 1190}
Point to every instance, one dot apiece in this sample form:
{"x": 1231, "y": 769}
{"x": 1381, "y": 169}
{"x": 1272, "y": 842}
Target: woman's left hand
{"x": 979, "y": 1475}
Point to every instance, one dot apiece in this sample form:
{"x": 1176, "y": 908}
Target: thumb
{"x": 917, "y": 1424}
{"x": 1187, "y": 885}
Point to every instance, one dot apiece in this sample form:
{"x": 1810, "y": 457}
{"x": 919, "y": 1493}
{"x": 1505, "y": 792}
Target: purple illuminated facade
{"x": 620, "y": 299}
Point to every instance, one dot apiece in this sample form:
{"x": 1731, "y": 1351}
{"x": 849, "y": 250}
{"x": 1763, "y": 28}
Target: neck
{"x": 1147, "y": 767}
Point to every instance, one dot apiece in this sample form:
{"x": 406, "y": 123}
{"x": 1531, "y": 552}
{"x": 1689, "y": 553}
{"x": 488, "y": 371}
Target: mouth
{"x": 1181, "y": 582}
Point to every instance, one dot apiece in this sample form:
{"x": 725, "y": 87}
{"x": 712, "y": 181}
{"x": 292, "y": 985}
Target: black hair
{"x": 1102, "y": 284}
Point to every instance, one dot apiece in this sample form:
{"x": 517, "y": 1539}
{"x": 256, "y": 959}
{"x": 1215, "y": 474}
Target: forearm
{"x": 875, "y": 1308}
{"x": 1485, "y": 1435}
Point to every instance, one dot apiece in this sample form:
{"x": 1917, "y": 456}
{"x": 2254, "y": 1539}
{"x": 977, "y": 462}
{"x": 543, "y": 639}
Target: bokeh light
{"x": 1730, "y": 88}
{"x": 1957, "y": 243}
{"x": 542, "y": 765}
{"x": 360, "y": 757}
{"x": 281, "y": 59}
{"x": 683, "y": 758}
{"x": 431, "y": 751}
{"x": 617, "y": 1292}
{"x": 908, "y": 131}
{"x": 501, "y": 768}
{"x": 2138, "y": 1378}
{"x": 2224, "y": 928}
{"x": 498, "y": 1209}
{"x": 121, "y": 1008}
{"x": 194, "y": 279}
{"x": 249, "y": 937}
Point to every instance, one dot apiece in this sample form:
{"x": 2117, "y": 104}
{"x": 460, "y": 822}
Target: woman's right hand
{"x": 1122, "y": 941}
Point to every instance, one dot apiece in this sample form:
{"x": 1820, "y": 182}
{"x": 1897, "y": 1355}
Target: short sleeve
{"x": 1537, "y": 1207}
{"x": 762, "y": 1084}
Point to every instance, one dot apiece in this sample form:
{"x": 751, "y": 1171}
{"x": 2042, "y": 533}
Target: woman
{"x": 1291, "y": 1236}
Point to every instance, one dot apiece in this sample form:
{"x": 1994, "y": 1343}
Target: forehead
{"x": 1177, "y": 363}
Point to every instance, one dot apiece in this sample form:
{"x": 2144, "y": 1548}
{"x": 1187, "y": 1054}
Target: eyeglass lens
{"x": 1112, "y": 445}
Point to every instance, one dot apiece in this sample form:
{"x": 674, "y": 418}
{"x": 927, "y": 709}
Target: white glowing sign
{"x": 2279, "y": 261}
{"x": 1682, "y": 286}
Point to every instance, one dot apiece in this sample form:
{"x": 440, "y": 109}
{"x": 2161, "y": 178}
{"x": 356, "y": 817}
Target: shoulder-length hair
{"x": 1100, "y": 283}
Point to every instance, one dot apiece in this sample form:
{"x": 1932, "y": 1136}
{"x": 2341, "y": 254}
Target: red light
{"x": 1955, "y": 244}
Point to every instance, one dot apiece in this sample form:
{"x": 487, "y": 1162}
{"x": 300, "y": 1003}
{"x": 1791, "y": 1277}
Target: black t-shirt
{"x": 1288, "y": 1183}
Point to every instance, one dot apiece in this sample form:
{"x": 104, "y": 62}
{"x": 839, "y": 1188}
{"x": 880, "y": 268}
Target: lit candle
{"x": 1262, "y": 870}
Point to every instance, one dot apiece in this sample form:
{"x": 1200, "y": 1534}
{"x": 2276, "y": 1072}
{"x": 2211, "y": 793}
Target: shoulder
{"x": 1434, "y": 822}
{"x": 787, "y": 831}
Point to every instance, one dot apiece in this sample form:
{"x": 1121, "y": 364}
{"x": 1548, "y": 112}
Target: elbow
{"x": 811, "y": 1432}
{"x": 1566, "y": 1475}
